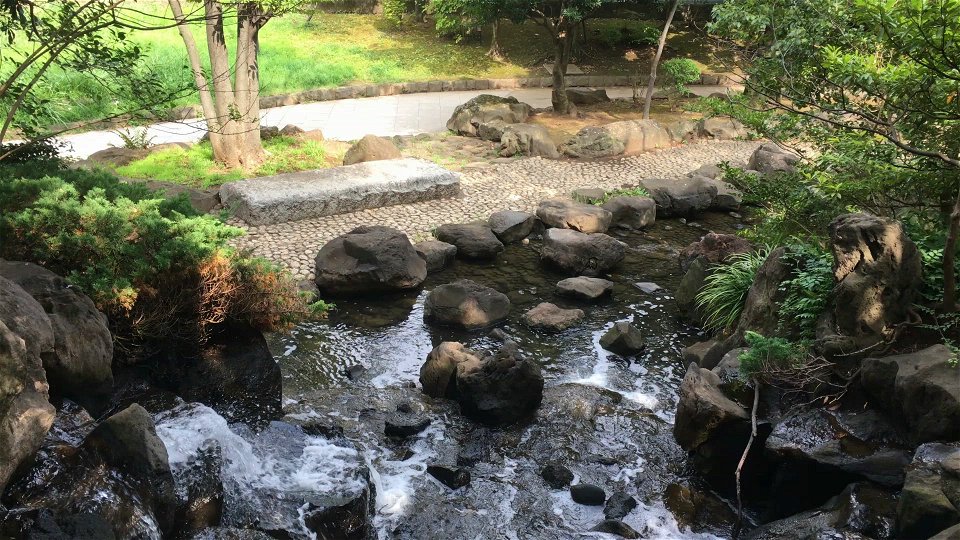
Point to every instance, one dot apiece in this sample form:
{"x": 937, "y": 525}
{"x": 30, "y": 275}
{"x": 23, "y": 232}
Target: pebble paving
{"x": 504, "y": 184}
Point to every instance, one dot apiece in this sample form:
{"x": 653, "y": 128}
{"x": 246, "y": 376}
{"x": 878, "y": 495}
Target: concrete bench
{"x": 325, "y": 192}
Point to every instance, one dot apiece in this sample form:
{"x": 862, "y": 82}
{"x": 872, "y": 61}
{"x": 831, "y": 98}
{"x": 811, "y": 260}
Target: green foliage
{"x": 628, "y": 34}
{"x": 770, "y": 355}
{"x": 156, "y": 268}
{"x": 195, "y": 166}
{"x": 677, "y": 73}
{"x": 135, "y": 138}
{"x": 725, "y": 290}
{"x": 807, "y": 290}
{"x": 638, "y": 191}
{"x": 394, "y": 10}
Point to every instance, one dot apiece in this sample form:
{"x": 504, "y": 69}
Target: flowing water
{"x": 609, "y": 419}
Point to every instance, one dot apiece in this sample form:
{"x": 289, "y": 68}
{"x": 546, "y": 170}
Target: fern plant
{"x": 807, "y": 290}
{"x": 638, "y": 191}
{"x": 725, "y": 289}
{"x": 135, "y": 138}
{"x": 767, "y": 356}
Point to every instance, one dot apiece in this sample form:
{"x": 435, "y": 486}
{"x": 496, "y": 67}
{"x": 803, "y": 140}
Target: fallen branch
{"x": 743, "y": 459}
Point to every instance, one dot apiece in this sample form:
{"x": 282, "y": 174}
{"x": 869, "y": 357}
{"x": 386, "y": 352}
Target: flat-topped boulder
{"x": 326, "y": 192}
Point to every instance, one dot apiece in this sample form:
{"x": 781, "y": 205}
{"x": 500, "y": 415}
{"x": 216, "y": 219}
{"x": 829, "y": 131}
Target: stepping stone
{"x": 585, "y": 288}
{"x": 550, "y": 317}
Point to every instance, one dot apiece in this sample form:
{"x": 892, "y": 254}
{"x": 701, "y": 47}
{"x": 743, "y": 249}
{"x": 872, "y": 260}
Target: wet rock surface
{"x": 578, "y": 253}
{"x": 551, "y": 318}
{"x": 438, "y": 255}
{"x": 369, "y": 260}
{"x": 473, "y": 240}
{"x": 466, "y": 304}
{"x": 511, "y": 225}
{"x": 585, "y": 288}
{"x": 568, "y": 214}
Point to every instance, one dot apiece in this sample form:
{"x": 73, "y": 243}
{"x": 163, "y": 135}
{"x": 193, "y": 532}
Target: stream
{"x": 607, "y": 418}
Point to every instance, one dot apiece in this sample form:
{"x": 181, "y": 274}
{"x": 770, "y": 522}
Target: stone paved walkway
{"x": 348, "y": 119}
{"x": 516, "y": 185}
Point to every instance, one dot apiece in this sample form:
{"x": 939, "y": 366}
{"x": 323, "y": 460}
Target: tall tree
{"x": 873, "y": 86}
{"x": 648, "y": 99}
{"x": 230, "y": 92}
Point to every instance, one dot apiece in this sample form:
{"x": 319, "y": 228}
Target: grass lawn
{"x": 195, "y": 166}
{"x": 340, "y": 49}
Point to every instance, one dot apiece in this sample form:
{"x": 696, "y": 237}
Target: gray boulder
{"x": 623, "y": 339}
{"x": 128, "y": 442}
{"x": 25, "y": 414}
{"x": 953, "y": 533}
{"x": 861, "y": 511}
{"x": 877, "y": 271}
{"x": 585, "y": 288}
{"x": 920, "y": 388}
{"x": 706, "y": 354}
{"x": 930, "y": 500}
{"x": 721, "y": 129}
{"x": 682, "y": 130}
{"x": 690, "y": 285}
{"x": 503, "y": 389}
{"x": 438, "y": 375}
{"x": 681, "y": 196}
{"x": 593, "y": 143}
{"x": 551, "y": 318}
{"x": 473, "y": 240}
{"x": 581, "y": 254}
{"x": 371, "y": 148}
{"x": 466, "y": 304}
{"x": 369, "y": 259}
{"x": 484, "y": 109}
{"x": 812, "y": 445}
{"x": 587, "y": 96}
{"x": 708, "y": 170}
{"x": 438, "y": 255}
{"x": 728, "y": 197}
{"x": 512, "y": 226}
{"x": 527, "y": 140}
{"x": 631, "y": 212}
{"x": 771, "y": 159}
{"x": 704, "y": 412}
{"x": 589, "y": 195}
{"x": 639, "y": 135}
{"x": 80, "y": 366}
{"x": 568, "y": 214}
{"x": 491, "y": 131}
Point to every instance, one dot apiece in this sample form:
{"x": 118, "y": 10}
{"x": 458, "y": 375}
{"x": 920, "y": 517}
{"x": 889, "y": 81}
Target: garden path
{"x": 348, "y": 119}
{"x": 505, "y": 184}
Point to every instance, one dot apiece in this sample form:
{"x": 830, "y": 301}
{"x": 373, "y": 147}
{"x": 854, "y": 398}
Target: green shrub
{"x": 726, "y": 288}
{"x": 161, "y": 273}
{"x": 769, "y": 356}
{"x": 638, "y": 191}
{"x": 677, "y": 73}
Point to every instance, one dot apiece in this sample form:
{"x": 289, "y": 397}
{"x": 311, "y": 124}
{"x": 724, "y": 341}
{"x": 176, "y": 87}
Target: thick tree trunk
{"x": 564, "y": 48}
{"x": 656, "y": 59}
{"x": 495, "y": 52}
{"x": 247, "y": 84}
{"x": 949, "y": 255}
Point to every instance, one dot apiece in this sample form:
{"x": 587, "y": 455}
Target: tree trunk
{"x": 656, "y": 59}
{"x": 564, "y": 47}
{"x": 949, "y": 255}
{"x": 247, "y": 85}
{"x": 495, "y": 52}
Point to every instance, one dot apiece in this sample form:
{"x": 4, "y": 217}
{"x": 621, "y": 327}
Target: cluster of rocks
{"x": 502, "y": 119}
{"x": 882, "y": 471}
{"x": 79, "y": 452}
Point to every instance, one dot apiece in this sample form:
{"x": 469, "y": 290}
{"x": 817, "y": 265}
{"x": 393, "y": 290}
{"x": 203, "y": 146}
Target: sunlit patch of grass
{"x": 195, "y": 166}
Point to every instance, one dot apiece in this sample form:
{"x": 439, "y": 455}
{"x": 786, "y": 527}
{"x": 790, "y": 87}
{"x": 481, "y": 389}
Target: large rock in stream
{"x": 581, "y": 254}
{"x": 466, "y": 304}
{"x": 119, "y": 472}
{"x": 369, "y": 259}
{"x": 877, "y": 271}
{"x": 26, "y": 336}
{"x": 568, "y": 214}
{"x": 921, "y": 389}
{"x": 79, "y": 366}
{"x": 473, "y": 240}
{"x": 502, "y": 389}
{"x": 930, "y": 500}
